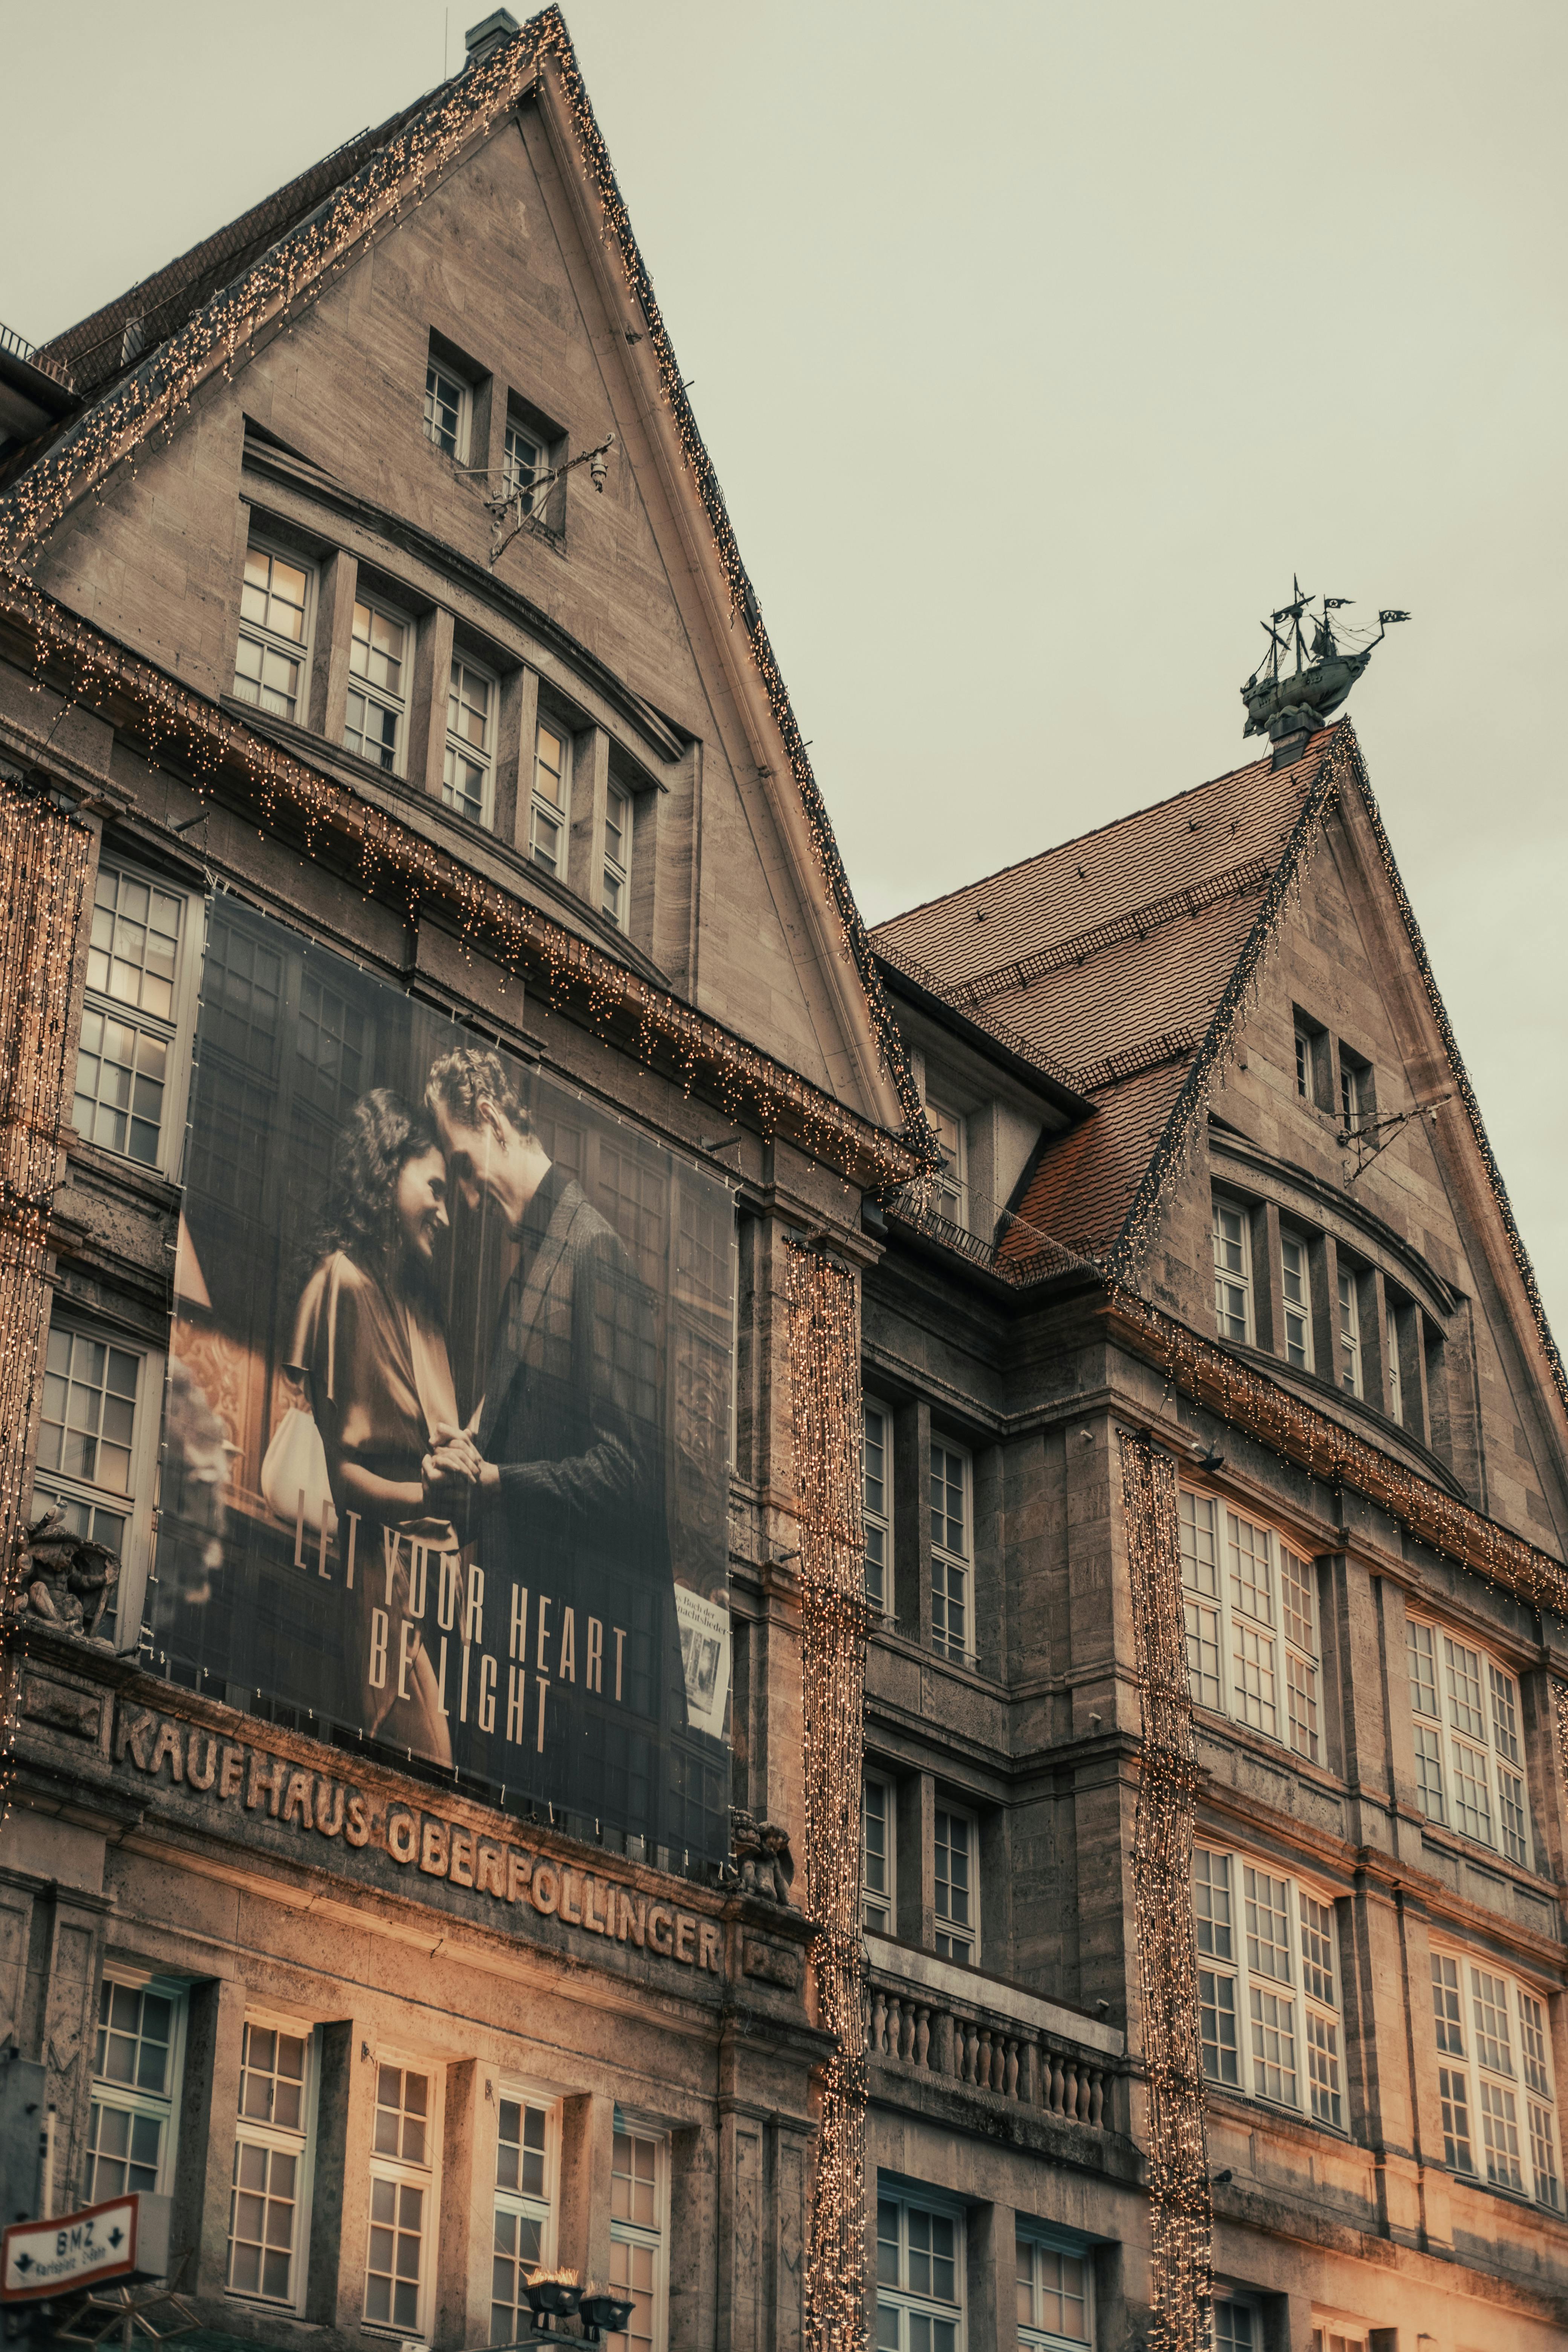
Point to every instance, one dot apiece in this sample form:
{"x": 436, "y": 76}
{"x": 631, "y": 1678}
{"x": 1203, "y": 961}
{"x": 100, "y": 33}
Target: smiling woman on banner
{"x": 369, "y": 1347}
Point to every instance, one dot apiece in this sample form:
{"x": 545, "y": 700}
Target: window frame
{"x": 270, "y": 640}
{"x": 1299, "y": 1310}
{"x": 519, "y": 2202}
{"x": 175, "y": 1030}
{"x": 517, "y": 428}
{"x": 657, "y": 2238}
{"x": 884, "y": 1899}
{"x": 140, "y": 1502}
{"x": 301, "y": 2144}
{"x": 458, "y": 747}
{"x": 1350, "y": 1347}
{"x": 127, "y": 2099}
{"x": 1033, "y": 2334}
{"x": 1530, "y": 2088}
{"x": 539, "y": 804}
{"x": 951, "y": 1929}
{"x": 1248, "y": 1646}
{"x": 1428, "y": 1639}
{"x": 1228, "y": 2299}
{"x": 613, "y": 869}
{"x": 402, "y": 2171}
{"x": 447, "y": 372}
{"x": 873, "y": 1521}
{"x": 1314, "y": 2095}
{"x": 961, "y": 1563}
{"x": 898, "y": 2296}
{"x": 399, "y": 704}
{"x": 952, "y": 1186}
{"x": 1239, "y": 1279}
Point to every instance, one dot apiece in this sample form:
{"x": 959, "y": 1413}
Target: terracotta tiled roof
{"x": 1104, "y": 959}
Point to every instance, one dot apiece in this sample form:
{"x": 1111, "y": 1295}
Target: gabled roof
{"x": 202, "y": 311}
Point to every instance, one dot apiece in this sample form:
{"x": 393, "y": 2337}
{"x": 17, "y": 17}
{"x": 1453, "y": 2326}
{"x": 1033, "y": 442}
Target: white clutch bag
{"x": 294, "y": 1482}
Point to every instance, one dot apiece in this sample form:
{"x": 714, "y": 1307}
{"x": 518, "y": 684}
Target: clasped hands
{"x": 455, "y": 1472}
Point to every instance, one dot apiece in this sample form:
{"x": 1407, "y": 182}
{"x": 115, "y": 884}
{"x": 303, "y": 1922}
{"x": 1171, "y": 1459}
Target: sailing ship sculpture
{"x": 1281, "y": 701}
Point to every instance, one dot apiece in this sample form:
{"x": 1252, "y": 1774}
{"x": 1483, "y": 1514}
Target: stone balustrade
{"x": 969, "y": 2041}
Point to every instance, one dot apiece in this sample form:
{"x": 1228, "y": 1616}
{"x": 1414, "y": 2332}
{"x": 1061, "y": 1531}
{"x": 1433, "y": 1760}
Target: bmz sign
{"x": 73, "y": 2251}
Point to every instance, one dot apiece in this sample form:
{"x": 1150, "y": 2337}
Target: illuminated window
{"x": 952, "y": 1184}
{"x": 952, "y": 1617}
{"x": 142, "y": 966}
{"x": 1251, "y": 1619}
{"x": 957, "y": 1855}
{"x": 1494, "y": 2079}
{"x": 616, "y": 894}
{"x": 465, "y": 785}
{"x": 551, "y": 797}
{"x": 1232, "y": 1272}
{"x": 1349, "y": 1332}
{"x": 136, "y": 2069}
{"x": 378, "y": 702}
{"x": 448, "y": 405}
{"x": 919, "y": 2276}
{"x": 1268, "y": 1985}
{"x": 1474, "y": 1780}
{"x": 1297, "y": 1277}
{"x": 877, "y": 1854}
{"x": 876, "y": 1501}
{"x": 273, "y": 650}
{"x": 267, "y": 2200}
{"x": 402, "y": 2202}
{"x": 1055, "y": 2295}
{"x": 527, "y": 2161}
{"x": 639, "y": 2198}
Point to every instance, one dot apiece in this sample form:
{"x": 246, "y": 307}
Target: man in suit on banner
{"x": 560, "y": 1480}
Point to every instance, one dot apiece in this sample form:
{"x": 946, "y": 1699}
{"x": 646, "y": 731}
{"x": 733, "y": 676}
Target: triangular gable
{"x": 293, "y": 273}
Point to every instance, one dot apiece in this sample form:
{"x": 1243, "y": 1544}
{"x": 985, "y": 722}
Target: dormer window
{"x": 952, "y": 1184}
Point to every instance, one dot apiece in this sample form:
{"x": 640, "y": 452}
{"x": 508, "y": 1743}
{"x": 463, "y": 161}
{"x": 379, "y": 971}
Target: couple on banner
{"x": 551, "y": 1487}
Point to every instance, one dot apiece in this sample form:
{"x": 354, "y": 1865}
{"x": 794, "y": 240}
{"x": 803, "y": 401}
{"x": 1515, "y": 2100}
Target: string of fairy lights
{"x": 1181, "y": 2201}
{"x": 45, "y": 858}
{"x": 825, "y": 1364}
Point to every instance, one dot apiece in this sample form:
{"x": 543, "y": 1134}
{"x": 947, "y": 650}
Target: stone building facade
{"x": 366, "y": 567}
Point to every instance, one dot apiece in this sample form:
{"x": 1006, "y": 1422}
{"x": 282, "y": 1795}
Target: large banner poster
{"x": 446, "y": 1434}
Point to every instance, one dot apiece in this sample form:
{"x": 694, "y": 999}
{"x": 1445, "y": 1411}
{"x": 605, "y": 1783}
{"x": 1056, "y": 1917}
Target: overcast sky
{"x": 1036, "y": 346}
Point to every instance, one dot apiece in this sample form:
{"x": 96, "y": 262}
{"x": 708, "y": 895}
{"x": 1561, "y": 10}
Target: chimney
{"x": 481, "y": 40}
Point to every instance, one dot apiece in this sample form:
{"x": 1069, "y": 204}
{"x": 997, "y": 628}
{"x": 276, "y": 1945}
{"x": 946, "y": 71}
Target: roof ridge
{"x": 1136, "y": 923}
{"x": 1074, "y": 840}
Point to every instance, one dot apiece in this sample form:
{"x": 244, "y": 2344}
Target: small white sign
{"x": 73, "y": 2250}
{"x": 705, "y": 1656}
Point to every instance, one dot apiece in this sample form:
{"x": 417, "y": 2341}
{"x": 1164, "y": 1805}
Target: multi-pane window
{"x": 1494, "y": 2079}
{"x": 447, "y": 405}
{"x": 1251, "y": 1626}
{"x": 127, "y": 1056}
{"x": 877, "y": 1854}
{"x": 957, "y": 1856}
{"x": 524, "y": 2211}
{"x": 1350, "y": 1366}
{"x": 522, "y": 462}
{"x": 401, "y": 2200}
{"x": 135, "y": 2080}
{"x": 616, "y": 881}
{"x": 1268, "y": 1985}
{"x": 1397, "y": 1318}
{"x": 378, "y": 702}
{"x": 1236, "y": 2326}
{"x": 274, "y": 633}
{"x": 948, "y": 1498}
{"x": 266, "y": 2208}
{"x": 1303, "y": 1064}
{"x": 1355, "y": 1089}
{"x": 98, "y": 1432}
{"x": 1473, "y": 1779}
{"x": 1232, "y": 1272}
{"x": 550, "y": 797}
{"x": 876, "y": 1501}
{"x": 471, "y": 699}
{"x": 920, "y": 2277}
{"x": 1296, "y": 1278}
{"x": 1055, "y": 2296}
{"x": 1338, "y": 2335}
{"x": 952, "y": 1184}
{"x": 637, "y": 2202}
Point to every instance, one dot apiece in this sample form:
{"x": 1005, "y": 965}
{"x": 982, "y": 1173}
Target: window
{"x": 947, "y": 1495}
{"x": 526, "y": 2164}
{"x": 1399, "y": 1318}
{"x": 952, "y": 1184}
{"x": 1236, "y": 2326}
{"x": 522, "y": 462}
{"x": 1303, "y": 1063}
{"x": 274, "y": 633}
{"x": 268, "y": 2197}
{"x": 920, "y": 2277}
{"x": 877, "y": 1500}
{"x": 1251, "y": 1626}
{"x": 877, "y": 1843}
{"x": 1338, "y": 2335}
{"x": 1268, "y": 1985}
{"x": 141, "y": 963}
{"x": 1349, "y": 1332}
{"x": 638, "y": 2194}
{"x": 470, "y": 730}
{"x": 1055, "y": 2296}
{"x": 957, "y": 1841}
{"x": 1494, "y": 2079}
{"x": 1474, "y": 1785}
{"x": 1295, "y": 1275}
{"x": 377, "y": 699}
{"x": 448, "y": 403}
{"x": 97, "y": 1444}
{"x": 401, "y": 2200}
{"x": 617, "y": 855}
{"x": 1355, "y": 1089}
{"x": 135, "y": 2082}
{"x": 552, "y": 796}
{"x": 1232, "y": 1272}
